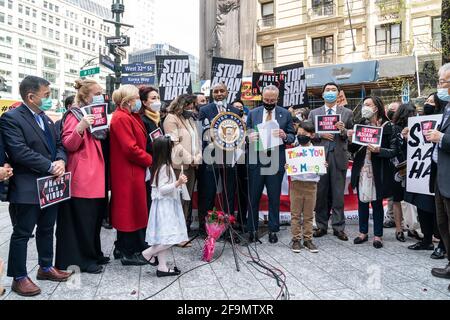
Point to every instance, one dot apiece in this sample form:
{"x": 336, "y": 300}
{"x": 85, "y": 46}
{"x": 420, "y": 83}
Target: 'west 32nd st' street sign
{"x": 138, "y": 68}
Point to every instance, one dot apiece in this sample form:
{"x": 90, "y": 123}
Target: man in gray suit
{"x": 441, "y": 168}
{"x": 330, "y": 193}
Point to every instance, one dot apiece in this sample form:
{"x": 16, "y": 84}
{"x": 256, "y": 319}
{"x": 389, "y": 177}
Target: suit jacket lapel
{"x": 29, "y": 117}
{"x": 260, "y": 116}
{"x": 447, "y": 123}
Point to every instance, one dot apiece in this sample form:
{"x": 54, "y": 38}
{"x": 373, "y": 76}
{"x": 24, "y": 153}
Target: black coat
{"x": 150, "y": 126}
{"x": 383, "y": 170}
{"x": 29, "y": 153}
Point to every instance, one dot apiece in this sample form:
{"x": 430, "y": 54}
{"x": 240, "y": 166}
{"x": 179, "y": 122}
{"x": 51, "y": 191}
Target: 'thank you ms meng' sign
{"x": 228, "y": 72}
{"x": 174, "y": 77}
{"x": 305, "y": 160}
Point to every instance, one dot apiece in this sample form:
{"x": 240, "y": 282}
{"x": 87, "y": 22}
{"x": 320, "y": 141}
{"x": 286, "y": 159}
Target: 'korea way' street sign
{"x": 121, "y": 41}
{"x": 138, "y": 80}
{"x": 89, "y": 72}
{"x": 138, "y": 68}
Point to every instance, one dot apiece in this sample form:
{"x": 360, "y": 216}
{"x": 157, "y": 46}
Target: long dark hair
{"x": 404, "y": 112}
{"x": 162, "y": 156}
{"x": 380, "y": 107}
{"x": 440, "y": 105}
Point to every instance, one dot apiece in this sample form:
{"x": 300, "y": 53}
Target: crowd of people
{"x": 141, "y": 173}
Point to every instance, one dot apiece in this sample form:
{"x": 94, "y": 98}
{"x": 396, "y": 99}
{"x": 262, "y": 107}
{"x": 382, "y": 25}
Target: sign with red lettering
{"x": 366, "y": 135}
{"x": 100, "y": 116}
{"x": 327, "y": 124}
{"x": 53, "y": 190}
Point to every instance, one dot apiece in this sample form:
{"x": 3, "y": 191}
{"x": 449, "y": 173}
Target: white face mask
{"x": 156, "y": 106}
{"x": 367, "y": 113}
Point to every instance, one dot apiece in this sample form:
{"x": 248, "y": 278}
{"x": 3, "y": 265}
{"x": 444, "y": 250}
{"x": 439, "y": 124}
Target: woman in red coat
{"x": 129, "y": 163}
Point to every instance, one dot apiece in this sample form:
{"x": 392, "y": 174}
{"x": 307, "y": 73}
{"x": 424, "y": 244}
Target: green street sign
{"x": 89, "y": 72}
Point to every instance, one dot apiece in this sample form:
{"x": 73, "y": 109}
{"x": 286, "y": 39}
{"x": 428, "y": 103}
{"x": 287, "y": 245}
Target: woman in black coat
{"x": 373, "y": 162}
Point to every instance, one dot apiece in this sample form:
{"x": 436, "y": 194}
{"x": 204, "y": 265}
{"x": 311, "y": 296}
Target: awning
{"x": 398, "y": 67}
{"x": 343, "y": 74}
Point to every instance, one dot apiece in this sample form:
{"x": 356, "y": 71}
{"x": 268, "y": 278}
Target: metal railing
{"x": 322, "y": 11}
{"x": 394, "y": 48}
{"x": 266, "y": 23}
{"x": 267, "y": 66}
{"x": 321, "y": 59}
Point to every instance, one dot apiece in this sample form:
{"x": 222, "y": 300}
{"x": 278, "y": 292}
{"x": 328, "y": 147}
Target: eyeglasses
{"x": 442, "y": 82}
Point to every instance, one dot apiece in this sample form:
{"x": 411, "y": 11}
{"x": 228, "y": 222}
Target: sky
{"x": 177, "y": 23}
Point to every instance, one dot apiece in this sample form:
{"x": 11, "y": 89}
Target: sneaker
{"x": 296, "y": 246}
{"x": 311, "y": 247}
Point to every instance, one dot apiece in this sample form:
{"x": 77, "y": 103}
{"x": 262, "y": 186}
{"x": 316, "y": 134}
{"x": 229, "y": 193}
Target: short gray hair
{"x": 444, "y": 69}
{"x": 220, "y": 85}
{"x": 271, "y": 88}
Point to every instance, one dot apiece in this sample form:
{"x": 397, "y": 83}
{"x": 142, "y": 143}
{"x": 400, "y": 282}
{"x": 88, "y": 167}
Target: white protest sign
{"x": 304, "y": 160}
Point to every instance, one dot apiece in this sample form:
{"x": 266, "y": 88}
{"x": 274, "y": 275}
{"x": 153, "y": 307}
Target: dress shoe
{"x": 103, "y": 260}
{"x": 319, "y": 233}
{"x": 273, "y": 238}
{"x": 421, "y": 246}
{"x": 340, "y": 235}
{"x": 171, "y": 273}
{"x": 377, "y": 244}
{"x": 136, "y": 259}
{"x": 117, "y": 254}
{"x": 94, "y": 269}
{"x": 414, "y": 234}
{"x": 25, "y": 287}
{"x": 441, "y": 273}
{"x": 388, "y": 224}
{"x": 438, "y": 254}
{"x": 359, "y": 240}
{"x": 155, "y": 262}
{"x": 53, "y": 274}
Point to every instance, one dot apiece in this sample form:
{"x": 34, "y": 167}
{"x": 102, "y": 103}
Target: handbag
{"x": 366, "y": 188}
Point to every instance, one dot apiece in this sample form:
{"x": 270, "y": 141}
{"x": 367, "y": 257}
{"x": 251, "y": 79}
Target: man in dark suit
{"x": 34, "y": 151}
{"x": 331, "y": 188}
{"x": 266, "y": 168}
{"x": 216, "y": 162}
{"x": 441, "y": 168}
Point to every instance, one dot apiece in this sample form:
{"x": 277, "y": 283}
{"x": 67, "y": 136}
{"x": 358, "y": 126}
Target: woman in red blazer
{"x": 129, "y": 164}
{"x": 80, "y": 219}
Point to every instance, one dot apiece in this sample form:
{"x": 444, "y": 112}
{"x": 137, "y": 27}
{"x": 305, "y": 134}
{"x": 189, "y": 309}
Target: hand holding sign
{"x": 85, "y": 123}
{"x": 434, "y": 136}
{"x": 373, "y": 149}
{"x": 59, "y": 168}
{"x": 327, "y": 136}
{"x": 280, "y": 134}
{"x": 340, "y": 125}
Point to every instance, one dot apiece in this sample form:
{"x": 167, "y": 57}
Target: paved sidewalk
{"x": 340, "y": 271}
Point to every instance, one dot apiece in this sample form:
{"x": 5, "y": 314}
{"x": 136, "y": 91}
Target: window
{"x": 2, "y": 17}
{"x": 44, "y": 17}
{"x": 20, "y": 24}
{"x": 323, "y": 49}
{"x": 20, "y": 8}
{"x": 388, "y": 39}
{"x": 436, "y": 32}
{"x": 322, "y": 7}
{"x": 267, "y": 9}
{"x": 50, "y": 63}
{"x": 268, "y": 54}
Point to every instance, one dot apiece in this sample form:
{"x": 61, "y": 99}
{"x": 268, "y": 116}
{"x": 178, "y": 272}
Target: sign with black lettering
{"x": 262, "y": 80}
{"x": 367, "y": 135}
{"x": 327, "y": 124}
{"x": 228, "y": 72}
{"x": 53, "y": 190}
{"x": 420, "y": 153}
{"x": 100, "y": 113}
{"x": 295, "y": 88}
{"x": 174, "y": 76}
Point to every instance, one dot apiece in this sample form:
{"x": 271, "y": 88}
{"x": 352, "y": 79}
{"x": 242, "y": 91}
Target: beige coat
{"x": 183, "y": 153}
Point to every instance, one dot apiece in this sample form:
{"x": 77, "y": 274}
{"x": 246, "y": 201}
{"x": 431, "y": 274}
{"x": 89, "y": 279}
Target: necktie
{"x": 39, "y": 121}
{"x": 269, "y": 116}
{"x": 48, "y": 135}
{"x": 330, "y": 112}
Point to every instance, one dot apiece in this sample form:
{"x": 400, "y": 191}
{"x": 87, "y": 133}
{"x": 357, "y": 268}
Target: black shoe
{"x": 273, "y": 238}
{"x": 377, "y": 244}
{"x": 421, "y": 246}
{"x": 136, "y": 259}
{"x": 400, "y": 236}
{"x": 117, "y": 254}
{"x": 319, "y": 233}
{"x": 153, "y": 264}
{"x": 171, "y": 273}
{"x": 388, "y": 224}
{"x": 438, "y": 254}
{"x": 415, "y": 235}
{"x": 94, "y": 269}
{"x": 253, "y": 237}
{"x": 358, "y": 240}
{"x": 441, "y": 273}
{"x": 103, "y": 260}
{"x": 340, "y": 235}
{"x": 106, "y": 224}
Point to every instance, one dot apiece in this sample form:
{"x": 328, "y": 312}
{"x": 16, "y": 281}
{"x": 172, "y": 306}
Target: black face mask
{"x": 269, "y": 107}
{"x": 303, "y": 140}
{"x": 187, "y": 114}
{"x": 241, "y": 113}
{"x": 390, "y": 115}
{"x": 428, "y": 109}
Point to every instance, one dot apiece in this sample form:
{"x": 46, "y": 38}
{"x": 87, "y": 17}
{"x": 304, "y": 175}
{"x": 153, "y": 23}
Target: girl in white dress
{"x": 166, "y": 225}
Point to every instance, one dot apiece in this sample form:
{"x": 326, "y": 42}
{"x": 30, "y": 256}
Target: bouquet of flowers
{"x": 216, "y": 224}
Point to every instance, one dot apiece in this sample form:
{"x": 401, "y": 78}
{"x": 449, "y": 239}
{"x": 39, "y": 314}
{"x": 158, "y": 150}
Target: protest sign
{"x": 174, "y": 76}
{"x": 367, "y": 135}
{"x": 304, "y": 160}
{"x": 156, "y": 134}
{"x": 262, "y": 80}
{"x": 100, "y": 113}
{"x": 228, "y": 72}
{"x": 327, "y": 124}
{"x": 295, "y": 93}
{"x": 6, "y": 105}
{"x": 420, "y": 153}
{"x": 52, "y": 190}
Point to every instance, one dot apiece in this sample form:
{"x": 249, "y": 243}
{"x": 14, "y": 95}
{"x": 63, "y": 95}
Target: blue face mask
{"x": 443, "y": 94}
{"x": 98, "y": 99}
{"x": 137, "y": 107}
{"x": 330, "y": 96}
{"x": 46, "y": 104}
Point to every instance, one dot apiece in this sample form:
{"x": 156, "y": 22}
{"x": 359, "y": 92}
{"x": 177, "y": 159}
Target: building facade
{"x": 164, "y": 49}
{"x": 323, "y": 33}
{"x": 53, "y": 39}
